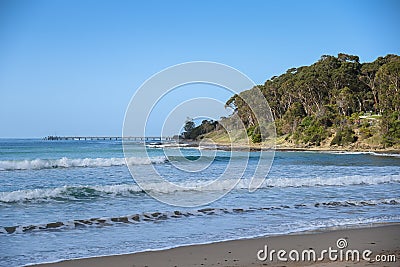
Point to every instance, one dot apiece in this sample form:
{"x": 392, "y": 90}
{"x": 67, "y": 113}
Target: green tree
{"x": 388, "y": 85}
{"x": 345, "y": 101}
{"x": 344, "y": 136}
{"x": 391, "y": 129}
{"x": 292, "y": 118}
{"x": 189, "y": 126}
{"x": 310, "y": 103}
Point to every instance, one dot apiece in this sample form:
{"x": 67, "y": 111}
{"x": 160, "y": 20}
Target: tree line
{"x": 337, "y": 97}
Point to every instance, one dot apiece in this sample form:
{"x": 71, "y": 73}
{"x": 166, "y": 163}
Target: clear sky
{"x": 70, "y": 67}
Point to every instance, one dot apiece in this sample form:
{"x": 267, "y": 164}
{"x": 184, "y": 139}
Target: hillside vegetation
{"x": 335, "y": 102}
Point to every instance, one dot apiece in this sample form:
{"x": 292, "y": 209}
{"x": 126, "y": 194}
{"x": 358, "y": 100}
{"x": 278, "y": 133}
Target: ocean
{"x": 72, "y": 199}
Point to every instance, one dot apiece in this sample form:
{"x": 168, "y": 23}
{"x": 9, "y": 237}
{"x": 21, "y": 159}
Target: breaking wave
{"x": 332, "y": 181}
{"x": 79, "y": 192}
{"x": 37, "y": 164}
{"x": 66, "y": 193}
{"x": 371, "y": 153}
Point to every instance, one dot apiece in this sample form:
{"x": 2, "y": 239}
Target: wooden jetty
{"x": 115, "y": 138}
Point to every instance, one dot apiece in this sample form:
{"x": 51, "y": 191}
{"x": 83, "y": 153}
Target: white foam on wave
{"x": 332, "y": 181}
{"x": 66, "y": 193}
{"x": 378, "y": 154}
{"x": 341, "y": 222}
{"x": 37, "y": 164}
{"x": 26, "y": 195}
{"x": 305, "y": 182}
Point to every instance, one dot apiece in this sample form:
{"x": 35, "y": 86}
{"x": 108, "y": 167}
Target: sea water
{"x": 71, "y": 199}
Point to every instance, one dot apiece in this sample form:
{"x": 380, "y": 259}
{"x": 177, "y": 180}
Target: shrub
{"x": 314, "y": 134}
{"x": 391, "y": 125}
{"x": 254, "y": 133}
{"x": 366, "y": 131}
{"x": 310, "y": 131}
{"x": 343, "y": 137}
{"x": 256, "y": 138}
{"x": 250, "y": 130}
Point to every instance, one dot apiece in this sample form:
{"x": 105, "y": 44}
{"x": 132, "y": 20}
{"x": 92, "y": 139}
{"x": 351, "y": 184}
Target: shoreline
{"x": 254, "y": 147}
{"x": 380, "y": 238}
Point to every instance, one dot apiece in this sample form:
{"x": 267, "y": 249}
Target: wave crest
{"x": 332, "y": 181}
{"x": 78, "y": 192}
{"x": 66, "y": 193}
{"x": 37, "y": 164}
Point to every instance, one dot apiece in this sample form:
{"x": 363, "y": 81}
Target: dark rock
{"x": 29, "y": 228}
{"x": 205, "y": 210}
{"x": 10, "y": 229}
{"x": 120, "y": 219}
{"x": 54, "y": 225}
{"x": 136, "y": 218}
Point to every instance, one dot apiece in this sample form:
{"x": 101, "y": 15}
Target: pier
{"x": 110, "y": 138}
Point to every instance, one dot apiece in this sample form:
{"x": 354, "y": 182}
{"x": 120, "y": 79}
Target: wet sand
{"x": 382, "y": 239}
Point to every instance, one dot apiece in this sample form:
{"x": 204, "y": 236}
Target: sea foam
{"x": 37, "y": 164}
{"x": 332, "y": 181}
{"x": 78, "y": 192}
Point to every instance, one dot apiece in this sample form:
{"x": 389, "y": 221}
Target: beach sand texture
{"x": 382, "y": 239}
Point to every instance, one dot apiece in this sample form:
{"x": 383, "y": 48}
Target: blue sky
{"x": 71, "y": 67}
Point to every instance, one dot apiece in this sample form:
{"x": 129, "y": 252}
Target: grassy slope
{"x": 372, "y": 143}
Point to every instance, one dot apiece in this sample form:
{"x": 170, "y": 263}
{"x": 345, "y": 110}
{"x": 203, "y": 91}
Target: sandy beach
{"x": 380, "y": 239}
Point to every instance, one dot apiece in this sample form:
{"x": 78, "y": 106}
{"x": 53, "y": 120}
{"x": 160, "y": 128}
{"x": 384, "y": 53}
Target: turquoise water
{"x": 71, "y": 199}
